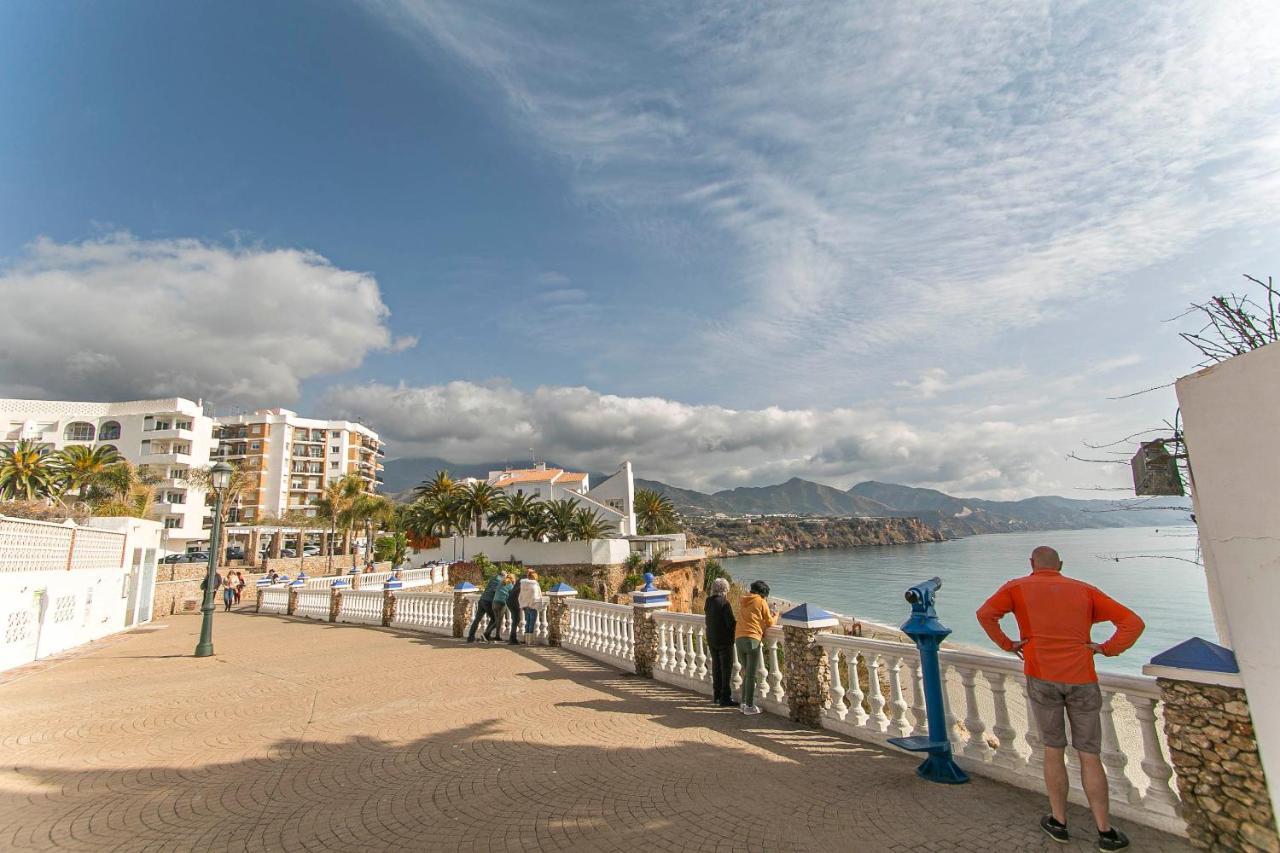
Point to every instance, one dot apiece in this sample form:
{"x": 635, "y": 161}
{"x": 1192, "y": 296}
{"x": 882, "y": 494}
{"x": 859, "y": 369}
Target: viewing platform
{"x": 308, "y": 735}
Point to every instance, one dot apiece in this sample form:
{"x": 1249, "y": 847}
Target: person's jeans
{"x": 228, "y": 596}
{"x": 515, "y": 621}
{"x": 530, "y": 619}
{"x": 748, "y": 656}
{"x": 721, "y": 673}
{"x": 483, "y": 609}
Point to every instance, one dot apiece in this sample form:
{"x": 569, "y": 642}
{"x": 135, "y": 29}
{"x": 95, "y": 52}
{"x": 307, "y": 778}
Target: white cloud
{"x": 120, "y": 318}
{"x": 937, "y": 381}
{"x": 898, "y": 182}
{"x": 703, "y": 446}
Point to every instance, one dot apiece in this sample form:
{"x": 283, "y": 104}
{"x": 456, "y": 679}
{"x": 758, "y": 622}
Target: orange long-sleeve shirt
{"x": 1054, "y": 616}
{"x": 754, "y": 617}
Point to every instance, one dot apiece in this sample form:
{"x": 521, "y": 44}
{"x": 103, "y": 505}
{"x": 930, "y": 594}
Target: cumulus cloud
{"x": 120, "y": 318}
{"x": 700, "y": 446}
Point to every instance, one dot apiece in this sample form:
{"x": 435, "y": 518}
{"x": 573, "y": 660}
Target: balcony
{"x": 172, "y": 433}
{"x": 167, "y": 456}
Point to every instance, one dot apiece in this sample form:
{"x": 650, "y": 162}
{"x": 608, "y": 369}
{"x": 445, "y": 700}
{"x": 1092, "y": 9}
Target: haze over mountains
{"x": 952, "y": 515}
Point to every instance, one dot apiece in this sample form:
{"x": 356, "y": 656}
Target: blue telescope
{"x": 924, "y": 628}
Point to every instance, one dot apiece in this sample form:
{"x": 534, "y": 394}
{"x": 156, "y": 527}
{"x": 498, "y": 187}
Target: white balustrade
{"x": 275, "y": 599}
{"x": 682, "y": 656}
{"x": 602, "y": 631}
{"x": 992, "y": 691}
{"x": 424, "y": 611}
{"x": 362, "y": 606}
{"x": 313, "y": 604}
{"x": 372, "y": 580}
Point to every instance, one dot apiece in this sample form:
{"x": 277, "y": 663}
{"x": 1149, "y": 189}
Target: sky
{"x": 732, "y": 242}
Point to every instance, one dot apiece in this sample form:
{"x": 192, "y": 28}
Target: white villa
{"x": 614, "y": 499}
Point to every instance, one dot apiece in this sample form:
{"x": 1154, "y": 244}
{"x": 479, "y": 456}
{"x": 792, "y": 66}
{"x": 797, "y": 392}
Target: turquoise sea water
{"x": 869, "y": 582}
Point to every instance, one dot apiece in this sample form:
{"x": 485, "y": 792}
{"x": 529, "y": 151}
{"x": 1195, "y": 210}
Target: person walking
{"x": 228, "y": 593}
{"x": 1055, "y": 614}
{"x": 499, "y": 605}
{"x": 720, "y": 638}
{"x": 530, "y": 595}
{"x": 756, "y": 617}
{"x": 240, "y": 585}
{"x": 484, "y": 607}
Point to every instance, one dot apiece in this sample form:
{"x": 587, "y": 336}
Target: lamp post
{"x": 219, "y": 480}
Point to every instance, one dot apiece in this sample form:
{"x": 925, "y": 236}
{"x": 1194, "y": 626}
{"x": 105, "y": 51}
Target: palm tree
{"x": 654, "y": 512}
{"x": 513, "y": 514}
{"x": 78, "y": 467}
{"x": 123, "y": 489}
{"x": 443, "y": 514}
{"x": 27, "y": 471}
{"x": 479, "y": 499}
{"x": 439, "y": 485}
{"x": 560, "y": 515}
{"x": 335, "y": 504}
{"x": 372, "y": 510}
{"x": 588, "y": 524}
{"x": 242, "y": 482}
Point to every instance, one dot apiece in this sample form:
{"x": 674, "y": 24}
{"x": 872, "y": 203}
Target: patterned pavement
{"x": 302, "y": 736}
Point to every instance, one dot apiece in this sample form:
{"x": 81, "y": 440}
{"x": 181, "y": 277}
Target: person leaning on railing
{"x": 1055, "y": 615}
{"x": 754, "y": 618}
{"x": 721, "y": 625}
{"x": 484, "y": 607}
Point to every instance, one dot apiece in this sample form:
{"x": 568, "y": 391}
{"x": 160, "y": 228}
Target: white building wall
{"x": 620, "y": 487}
{"x": 1231, "y": 418}
{"x": 63, "y": 585}
{"x": 179, "y": 507}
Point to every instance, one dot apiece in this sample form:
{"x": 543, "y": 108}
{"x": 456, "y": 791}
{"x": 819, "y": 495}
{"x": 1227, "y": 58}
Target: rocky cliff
{"x": 732, "y": 537}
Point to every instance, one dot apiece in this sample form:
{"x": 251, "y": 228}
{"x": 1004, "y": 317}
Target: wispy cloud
{"x": 897, "y": 180}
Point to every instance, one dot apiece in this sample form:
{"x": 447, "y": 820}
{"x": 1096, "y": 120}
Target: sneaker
{"x": 471, "y": 639}
{"x": 749, "y": 710}
{"x": 1112, "y": 839}
{"x": 1053, "y": 829}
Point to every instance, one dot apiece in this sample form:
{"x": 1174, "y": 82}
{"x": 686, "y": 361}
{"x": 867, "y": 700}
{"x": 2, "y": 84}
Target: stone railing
{"x": 602, "y": 631}
{"x": 863, "y": 687}
{"x": 313, "y": 603}
{"x": 275, "y": 599}
{"x": 361, "y": 606}
{"x": 424, "y": 611}
{"x": 989, "y": 723}
{"x": 684, "y": 659}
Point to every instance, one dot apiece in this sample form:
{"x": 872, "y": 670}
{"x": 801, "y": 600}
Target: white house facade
{"x": 613, "y": 499}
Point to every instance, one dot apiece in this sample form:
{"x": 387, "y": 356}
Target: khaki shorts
{"x": 1082, "y": 703}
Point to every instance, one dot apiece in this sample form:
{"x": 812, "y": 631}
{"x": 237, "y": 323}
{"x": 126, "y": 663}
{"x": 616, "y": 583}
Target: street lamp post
{"x": 219, "y": 480}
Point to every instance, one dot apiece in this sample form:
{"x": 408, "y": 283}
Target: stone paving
{"x": 308, "y": 736}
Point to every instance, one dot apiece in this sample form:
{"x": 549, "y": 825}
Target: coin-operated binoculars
{"x": 924, "y": 628}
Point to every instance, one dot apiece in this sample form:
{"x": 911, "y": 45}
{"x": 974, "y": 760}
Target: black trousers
{"x": 721, "y": 673}
{"x": 483, "y": 609}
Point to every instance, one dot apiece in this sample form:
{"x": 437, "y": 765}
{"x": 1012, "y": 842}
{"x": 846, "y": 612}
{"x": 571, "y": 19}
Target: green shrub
{"x": 633, "y": 562}
{"x": 632, "y": 582}
{"x": 712, "y": 569}
{"x": 586, "y": 593}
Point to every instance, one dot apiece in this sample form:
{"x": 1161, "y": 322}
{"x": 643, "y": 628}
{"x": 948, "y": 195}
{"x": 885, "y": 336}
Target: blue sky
{"x": 731, "y": 242}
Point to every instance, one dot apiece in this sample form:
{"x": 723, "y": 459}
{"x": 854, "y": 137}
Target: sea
{"x": 1153, "y": 571}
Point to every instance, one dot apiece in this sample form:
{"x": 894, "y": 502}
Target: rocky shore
{"x": 737, "y": 537}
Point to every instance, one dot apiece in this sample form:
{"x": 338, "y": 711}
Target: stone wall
{"x": 315, "y": 566}
{"x": 178, "y": 587}
{"x": 1215, "y": 753}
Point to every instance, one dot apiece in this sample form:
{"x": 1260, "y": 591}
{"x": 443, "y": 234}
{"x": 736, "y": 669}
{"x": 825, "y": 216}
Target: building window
{"x": 79, "y": 431}
{"x": 255, "y": 445}
{"x": 335, "y": 434}
{"x": 110, "y": 431}
{"x": 172, "y": 523}
{"x": 182, "y": 424}
{"x": 333, "y": 465}
{"x": 335, "y": 448}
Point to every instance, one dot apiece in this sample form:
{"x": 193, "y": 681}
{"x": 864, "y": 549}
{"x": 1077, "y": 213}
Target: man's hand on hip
{"x": 1017, "y": 647}
{"x": 1097, "y": 649}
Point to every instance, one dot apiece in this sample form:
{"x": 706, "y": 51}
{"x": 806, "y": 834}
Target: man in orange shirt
{"x": 1055, "y": 615}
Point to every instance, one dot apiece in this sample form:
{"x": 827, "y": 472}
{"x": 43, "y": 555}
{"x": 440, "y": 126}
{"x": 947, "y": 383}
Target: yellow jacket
{"x": 754, "y": 617}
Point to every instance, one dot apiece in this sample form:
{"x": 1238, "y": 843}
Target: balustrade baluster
{"x": 1159, "y": 795}
{"x": 952, "y": 719}
{"x": 836, "y": 710}
{"x": 1035, "y": 760}
{"x": 700, "y": 642}
{"x": 898, "y": 723}
{"x": 735, "y": 677}
{"x": 1006, "y": 754}
{"x": 664, "y": 646}
{"x": 919, "y": 720}
{"x": 856, "y": 696}
{"x": 976, "y": 747}
{"x": 776, "y": 692}
{"x": 878, "y": 720}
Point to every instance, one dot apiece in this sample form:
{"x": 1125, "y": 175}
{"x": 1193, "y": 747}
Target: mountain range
{"x": 953, "y": 516}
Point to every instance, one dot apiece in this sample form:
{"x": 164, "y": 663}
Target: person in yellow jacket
{"x": 754, "y": 618}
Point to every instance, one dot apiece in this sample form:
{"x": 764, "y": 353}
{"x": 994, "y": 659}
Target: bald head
{"x": 1045, "y": 559}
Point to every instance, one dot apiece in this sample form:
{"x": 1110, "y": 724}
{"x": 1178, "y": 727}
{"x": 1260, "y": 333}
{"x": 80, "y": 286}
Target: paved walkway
{"x": 307, "y": 736}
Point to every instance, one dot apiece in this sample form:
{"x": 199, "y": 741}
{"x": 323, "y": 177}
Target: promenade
{"x": 315, "y": 736}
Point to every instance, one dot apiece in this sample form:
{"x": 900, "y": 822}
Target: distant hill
{"x": 953, "y": 516}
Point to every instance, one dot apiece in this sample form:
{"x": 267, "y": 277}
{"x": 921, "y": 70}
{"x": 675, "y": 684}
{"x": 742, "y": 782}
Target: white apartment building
{"x": 295, "y": 458}
{"x": 613, "y": 499}
{"x": 167, "y": 437}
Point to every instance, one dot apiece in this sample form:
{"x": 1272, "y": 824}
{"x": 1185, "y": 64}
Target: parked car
{"x": 177, "y": 558}
{"x": 288, "y": 552}
{"x": 235, "y": 552}
{"x": 197, "y": 557}
{"x": 311, "y": 551}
